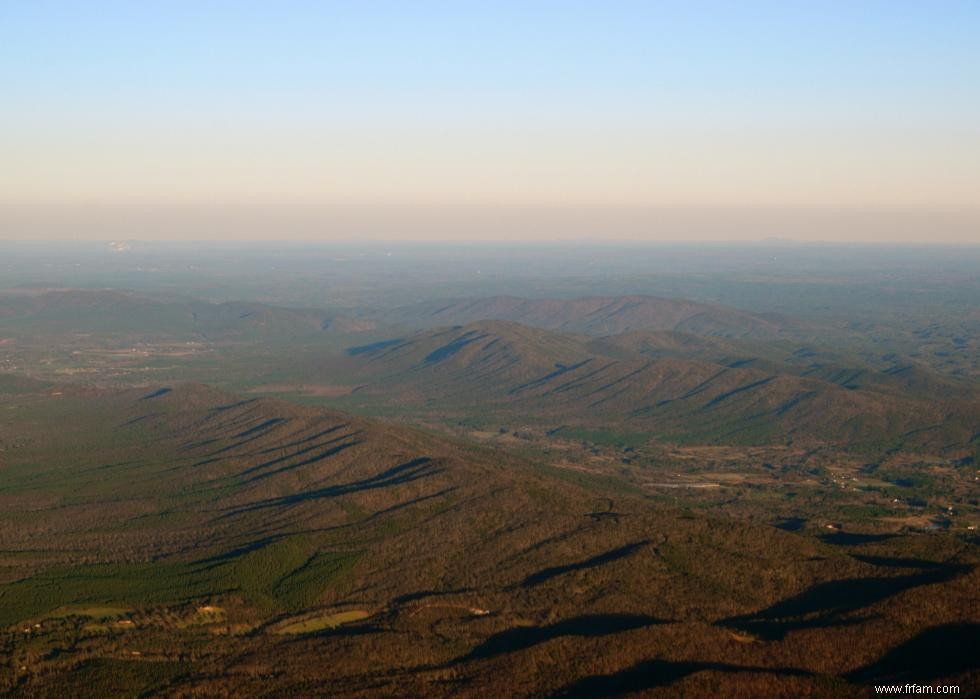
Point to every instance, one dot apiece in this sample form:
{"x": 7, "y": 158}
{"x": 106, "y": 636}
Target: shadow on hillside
{"x": 452, "y": 348}
{"x": 238, "y": 552}
{"x": 305, "y": 440}
{"x": 735, "y": 391}
{"x": 938, "y": 652}
{"x": 397, "y": 475}
{"x": 885, "y": 562}
{"x": 854, "y": 538}
{"x": 322, "y": 456}
{"x": 651, "y": 674}
{"x": 607, "y": 557}
{"x": 424, "y": 594}
{"x": 826, "y": 604}
{"x": 790, "y": 524}
{"x": 279, "y": 448}
{"x": 251, "y": 434}
{"x": 263, "y": 426}
{"x": 231, "y": 406}
{"x": 157, "y": 393}
{"x": 295, "y": 454}
{"x": 559, "y": 370}
{"x": 523, "y": 637}
{"x": 410, "y": 503}
{"x": 344, "y": 631}
{"x": 347, "y": 631}
{"x": 373, "y": 347}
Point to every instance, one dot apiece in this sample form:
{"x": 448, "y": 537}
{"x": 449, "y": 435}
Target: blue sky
{"x": 747, "y": 58}
{"x": 755, "y": 104}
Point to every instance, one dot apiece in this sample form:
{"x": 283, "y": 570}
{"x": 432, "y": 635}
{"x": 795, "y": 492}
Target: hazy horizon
{"x": 385, "y": 224}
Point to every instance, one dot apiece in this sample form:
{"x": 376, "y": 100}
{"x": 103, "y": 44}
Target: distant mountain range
{"x": 109, "y": 311}
{"x": 603, "y": 315}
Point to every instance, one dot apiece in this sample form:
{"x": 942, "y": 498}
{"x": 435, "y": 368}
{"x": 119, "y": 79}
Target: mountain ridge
{"x": 548, "y": 375}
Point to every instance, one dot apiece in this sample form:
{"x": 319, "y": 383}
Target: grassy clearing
{"x": 322, "y": 623}
{"x": 287, "y": 575}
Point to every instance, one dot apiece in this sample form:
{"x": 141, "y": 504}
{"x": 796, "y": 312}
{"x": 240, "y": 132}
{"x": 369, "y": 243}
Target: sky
{"x": 833, "y": 120}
